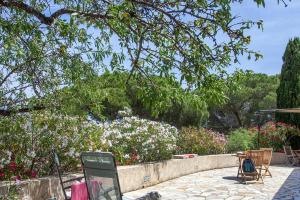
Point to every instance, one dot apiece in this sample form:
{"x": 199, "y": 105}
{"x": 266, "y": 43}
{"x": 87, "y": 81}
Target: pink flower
{"x": 33, "y": 174}
{"x": 16, "y": 178}
{"x": 12, "y": 166}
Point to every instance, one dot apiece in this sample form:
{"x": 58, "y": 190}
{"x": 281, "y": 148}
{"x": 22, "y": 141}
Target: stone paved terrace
{"x": 222, "y": 184}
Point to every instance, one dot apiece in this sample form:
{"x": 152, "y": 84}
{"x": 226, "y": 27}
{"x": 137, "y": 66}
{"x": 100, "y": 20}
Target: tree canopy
{"x": 247, "y": 92}
{"x": 46, "y": 45}
{"x": 103, "y": 96}
{"x": 289, "y": 88}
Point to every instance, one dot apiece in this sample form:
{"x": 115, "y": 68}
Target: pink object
{"x": 184, "y": 156}
{"x": 190, "y": 155}
{"x": 79, "y": 191}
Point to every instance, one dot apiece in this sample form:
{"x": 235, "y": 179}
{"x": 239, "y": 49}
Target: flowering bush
{"x": 275, "y": 135}
{"x": 200, "y": 141}
{"x": 26, "y": 142}
{"x": 135, "y": 140}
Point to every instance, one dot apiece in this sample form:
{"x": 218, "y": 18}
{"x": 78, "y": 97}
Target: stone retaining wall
{"x": 138, "y": 176}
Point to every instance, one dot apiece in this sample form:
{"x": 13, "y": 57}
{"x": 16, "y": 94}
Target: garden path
{"x": 221, "y": 184}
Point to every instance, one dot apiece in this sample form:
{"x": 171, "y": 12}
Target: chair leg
{"x": 262, "y": 180}
{"x": 237, "y": 176}
{"x": 289, "y": 161}
{"x": 269, "y": 173}
{"x": 294, "y": 162}
{"x": 259, "y": 175}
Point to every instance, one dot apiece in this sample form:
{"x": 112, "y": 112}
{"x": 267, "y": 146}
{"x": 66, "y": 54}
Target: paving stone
{"x": 220, "y": 184}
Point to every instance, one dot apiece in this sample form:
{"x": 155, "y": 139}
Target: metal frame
{"x": 101, "y": 166}
{"x": 62, "y": 183}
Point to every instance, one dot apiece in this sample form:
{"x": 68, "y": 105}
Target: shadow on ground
{"x": 290, "y": 189}
{"x": 231, "y": 178}
{"x": 238, "y": 180}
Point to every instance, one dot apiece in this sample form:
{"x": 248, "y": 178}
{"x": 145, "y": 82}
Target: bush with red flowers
{"x": 275, "y": 135}
{"x": 200, "y": 141}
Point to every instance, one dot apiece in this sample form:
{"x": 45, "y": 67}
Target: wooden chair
{"x": 267, "y": 161}
{"x": 65, "y": 184}
{"x": 257, "y": 156}
{"x": 291, "y": 157}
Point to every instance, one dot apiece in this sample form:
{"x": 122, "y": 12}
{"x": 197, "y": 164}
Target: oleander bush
{"x": 275, "y": 135}
{"x": 26, "y": 142}
{"x": 135, "y": 140}
{"x": 240, "y": 140}
{"x": 200, "y": 141}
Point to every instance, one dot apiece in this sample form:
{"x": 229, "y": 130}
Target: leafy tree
{"x": 247, "y": 93}
{"x": 100, "y": 97}
{"x": 289, "y": 87}
{"x": 47, "y": 45}
{"x": 168, "y": 102}
{"x": 104, "y": 96}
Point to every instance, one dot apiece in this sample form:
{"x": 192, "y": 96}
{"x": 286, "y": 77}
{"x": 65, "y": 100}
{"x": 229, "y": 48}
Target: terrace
{"x": 201, "y": 177}
{"x": 222, "y": 184}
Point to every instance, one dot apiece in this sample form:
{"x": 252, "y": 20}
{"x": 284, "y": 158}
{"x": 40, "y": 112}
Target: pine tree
{"x": 288, "y": 92}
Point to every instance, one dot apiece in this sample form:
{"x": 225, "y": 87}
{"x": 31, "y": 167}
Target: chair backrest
{"x": 267, "y": 155}
{"x": 257, "y": 156}
{"x": 101, "y": 175}
{"x": 57, "y": 167}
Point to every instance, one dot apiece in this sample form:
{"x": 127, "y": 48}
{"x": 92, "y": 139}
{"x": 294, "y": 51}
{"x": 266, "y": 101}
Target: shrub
{"x": 134, "y": 140}
{"x": 200, "y": 141}
{"x": 26, "y": 142}
{"x": 275, "y": 135}
{"x": 240, "y": 140}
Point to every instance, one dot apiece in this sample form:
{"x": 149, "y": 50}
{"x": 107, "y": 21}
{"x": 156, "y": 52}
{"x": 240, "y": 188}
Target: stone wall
{"x": 278, "y": 159}
{"x": 138, "y": 176}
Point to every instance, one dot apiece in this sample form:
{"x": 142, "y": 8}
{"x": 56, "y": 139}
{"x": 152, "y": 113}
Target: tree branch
{"x": 4, "y": 112}
{"x": 48, "y": 20}
{"x": 137, "y": 57}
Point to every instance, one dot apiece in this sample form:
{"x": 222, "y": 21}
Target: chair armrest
{"x": 74, "y": 179}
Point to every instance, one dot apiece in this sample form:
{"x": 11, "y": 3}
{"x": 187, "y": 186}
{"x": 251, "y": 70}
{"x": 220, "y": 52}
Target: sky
{"x": 280, "y": 24}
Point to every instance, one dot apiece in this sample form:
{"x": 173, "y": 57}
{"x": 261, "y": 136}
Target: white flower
{"x": 71, "y": 152}
{"x": 9, "y": 154}
{"x": 31, "y": 153}
{"x": 109, "y": 143}
{"x": 64, "y": 142}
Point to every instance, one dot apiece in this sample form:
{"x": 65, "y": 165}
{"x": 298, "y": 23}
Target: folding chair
{"x": 102, "y": 179}
{"x": 291, "y": 157}
{"x": 267, "y": 161}
{"x": 257, "y": 157}
{"x": 65, "y": 184}
{"x": 101, "y": 176}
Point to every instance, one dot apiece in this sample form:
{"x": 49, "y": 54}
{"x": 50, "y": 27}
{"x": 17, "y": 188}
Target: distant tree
{"x": 247, "y": 92}
{"x": 169, "y": 102}
{"x": 288, "y": 92}
{"x": 104, "y": 96}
